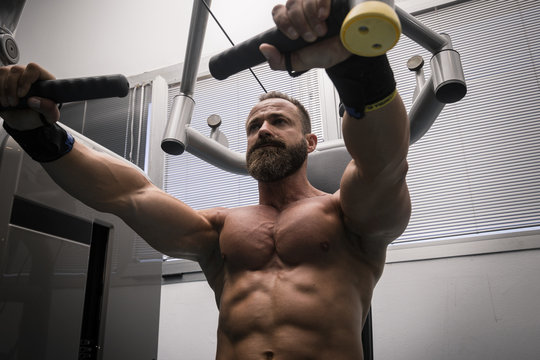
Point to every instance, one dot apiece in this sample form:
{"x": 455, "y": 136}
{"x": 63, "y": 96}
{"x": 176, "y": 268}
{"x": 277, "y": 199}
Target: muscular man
{"x": 294, "y": 275}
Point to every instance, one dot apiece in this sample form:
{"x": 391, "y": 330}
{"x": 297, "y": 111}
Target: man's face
{"x": 276, "y": 145}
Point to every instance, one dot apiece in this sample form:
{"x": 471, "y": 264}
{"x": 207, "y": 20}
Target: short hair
{"x": 306, "y": 121}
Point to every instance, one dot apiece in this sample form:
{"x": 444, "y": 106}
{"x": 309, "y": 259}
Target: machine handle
{"x": 246, "y": 54}
{"x": 366, "y": 28}
{"x": 77, "y": 89}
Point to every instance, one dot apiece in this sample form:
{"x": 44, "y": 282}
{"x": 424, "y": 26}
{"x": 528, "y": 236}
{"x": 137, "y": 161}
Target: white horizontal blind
{"x": 478, "y": 168}
{"x": 201, "y": 185}
{"x": 115, "y": 123}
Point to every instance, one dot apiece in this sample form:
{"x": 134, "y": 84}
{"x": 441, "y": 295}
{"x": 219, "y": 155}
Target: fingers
{"x": 45, "y": 107}
{"x": 283, "y": 23}
{"x": 11, "y": 85}
{"x": 275, "y": 59}
{"x": 7, "y": 74}
{"x": 40, "y": 110}
{"x": 302, "y": 18}
{"x": 31, "y": 74}
{"x": 315, "y": 13}
{"x": 323, "y": 54}
{"x": 306, "y": 19}
{"x": 16, "y": 80}
{"x": 299, "y": 13}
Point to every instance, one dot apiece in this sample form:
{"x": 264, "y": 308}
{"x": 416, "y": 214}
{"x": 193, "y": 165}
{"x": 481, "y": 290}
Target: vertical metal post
{"x": 174, "y": 141}
{"x": 197, "y": 30}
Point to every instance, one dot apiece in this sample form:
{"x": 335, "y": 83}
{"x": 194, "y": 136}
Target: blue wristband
{"x": 353, "y": 112}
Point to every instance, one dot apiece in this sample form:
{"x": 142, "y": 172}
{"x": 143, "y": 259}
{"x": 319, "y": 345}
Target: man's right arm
{"x": 111, "y": 185}
{"x": 115, "y": 186}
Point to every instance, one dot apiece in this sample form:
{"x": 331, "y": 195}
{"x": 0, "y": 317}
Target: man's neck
{"x": 283, "y": 192}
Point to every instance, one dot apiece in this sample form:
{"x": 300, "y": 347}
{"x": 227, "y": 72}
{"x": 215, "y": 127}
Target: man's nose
{"x": 265, "y": 130}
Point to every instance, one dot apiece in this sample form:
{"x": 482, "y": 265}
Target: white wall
{"x": 188, "y": 322}
{"x": 474, "y": 307}
{"x": 74, "y": 38}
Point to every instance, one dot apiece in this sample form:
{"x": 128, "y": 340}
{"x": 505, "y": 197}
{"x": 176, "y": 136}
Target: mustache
{"x": 265, "y": 142}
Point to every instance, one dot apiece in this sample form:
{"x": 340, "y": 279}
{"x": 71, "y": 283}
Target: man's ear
{"x": 311, "y": 142}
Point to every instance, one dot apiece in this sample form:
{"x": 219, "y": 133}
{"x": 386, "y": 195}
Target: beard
{"x": 275, "y": 162}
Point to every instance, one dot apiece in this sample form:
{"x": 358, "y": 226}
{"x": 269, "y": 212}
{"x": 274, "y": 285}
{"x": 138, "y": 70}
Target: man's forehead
{"x": 273, "y": 106}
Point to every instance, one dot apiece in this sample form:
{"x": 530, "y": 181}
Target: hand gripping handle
{"x": 246, "y": 54}
{"x": 77, "y": 89}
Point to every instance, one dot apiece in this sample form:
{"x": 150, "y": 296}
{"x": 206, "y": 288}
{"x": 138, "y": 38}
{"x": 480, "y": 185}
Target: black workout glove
{"x": 363, "y": 83}
{"x": 45, "y": 143}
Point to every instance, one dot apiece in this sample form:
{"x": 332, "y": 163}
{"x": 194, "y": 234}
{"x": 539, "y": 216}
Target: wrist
{"x": 46, "y": 143}
{"x": 363, "y": 84}
{"x": 381, "y": 103}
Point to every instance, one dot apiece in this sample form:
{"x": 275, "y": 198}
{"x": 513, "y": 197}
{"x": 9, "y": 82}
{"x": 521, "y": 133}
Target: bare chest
{"x": 253, "y": 237}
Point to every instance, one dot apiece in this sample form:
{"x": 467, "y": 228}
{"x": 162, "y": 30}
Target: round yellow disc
{"x": 371, "y": 28}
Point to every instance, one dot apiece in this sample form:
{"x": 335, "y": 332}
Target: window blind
{"x": 118, "y": 124}
{"x": 477, "y": 169}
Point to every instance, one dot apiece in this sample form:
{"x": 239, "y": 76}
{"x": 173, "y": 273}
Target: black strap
{"x": 288, "y": 66}
{"x": 45, "y": 143}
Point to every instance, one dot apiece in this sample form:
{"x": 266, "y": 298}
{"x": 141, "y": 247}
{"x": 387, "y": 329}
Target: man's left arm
{"x": 373, "y": 195}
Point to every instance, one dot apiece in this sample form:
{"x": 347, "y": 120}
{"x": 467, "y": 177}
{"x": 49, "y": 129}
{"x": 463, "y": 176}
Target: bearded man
{"x": 293, "y": 275}
{"x": 270, "y": 159}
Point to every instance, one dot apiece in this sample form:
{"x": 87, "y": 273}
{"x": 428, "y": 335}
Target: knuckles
{"x": 4, "y": 72}
{"x": 279, "y": 14}
{"x": 16, "y": 70}
{"x": 291, "y": 4}
{"x": 277, "y": 9}
{"x": 34, "y": 70}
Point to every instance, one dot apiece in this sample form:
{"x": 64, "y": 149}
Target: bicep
{"x": 115, "y": 186}
{"x": 376, "y": 208}
{"x": 172, "y": 227}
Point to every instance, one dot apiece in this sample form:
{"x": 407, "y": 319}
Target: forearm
{"x": 111, "y": 185}
{"x": 375, "y": 125}
{"x": 98, "y": 180}
{"x": 374, "y": 195}
{"x": 379, "y": 141}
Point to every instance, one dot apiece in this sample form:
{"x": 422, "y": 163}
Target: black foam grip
{"x": 246, "y": 54}
{"x": 78, "y": 89}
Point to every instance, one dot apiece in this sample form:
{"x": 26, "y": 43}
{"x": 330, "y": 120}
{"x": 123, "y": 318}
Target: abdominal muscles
{"x": 290, "y": 313}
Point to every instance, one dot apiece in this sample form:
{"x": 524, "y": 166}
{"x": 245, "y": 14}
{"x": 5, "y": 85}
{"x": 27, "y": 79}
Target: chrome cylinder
{"x": 448, "y": 77}
{"x": 174, "y": 141}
